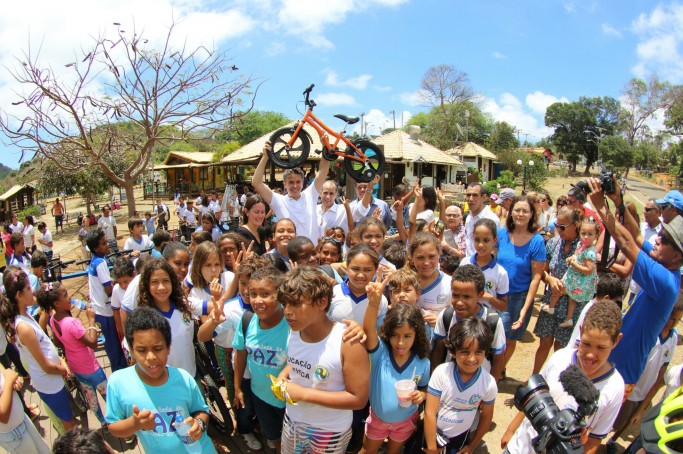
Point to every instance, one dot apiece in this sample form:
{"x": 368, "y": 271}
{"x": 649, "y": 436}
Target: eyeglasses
{"x": 562, "y": 227}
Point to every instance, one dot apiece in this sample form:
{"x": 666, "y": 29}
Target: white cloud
{"x": 499, "y": 56}
{"x": 335, "y": 99}
{"x": 413, "y": 98}
{"x": 511, "y": 110}
{"x": 607, "y": 29}
{"x": 538, "y": 101}
{"x": 308, "y": 19}
{"x": 569, "y": 7}
{"x": 358, "y": 82}
{"x": 377, "y": 121}
{"x": 660, "y": 34}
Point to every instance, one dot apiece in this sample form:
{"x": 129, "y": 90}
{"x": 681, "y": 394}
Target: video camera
{"x": 559, "y": 431}
{"x": 606, "y": 179}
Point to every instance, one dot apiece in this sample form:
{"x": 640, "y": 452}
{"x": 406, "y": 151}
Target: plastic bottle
{"x": 79, "y": 304}
{"x": 183, "y": 429}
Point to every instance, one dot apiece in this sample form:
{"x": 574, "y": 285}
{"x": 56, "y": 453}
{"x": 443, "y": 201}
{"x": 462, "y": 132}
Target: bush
{"x": 33, "y": 210}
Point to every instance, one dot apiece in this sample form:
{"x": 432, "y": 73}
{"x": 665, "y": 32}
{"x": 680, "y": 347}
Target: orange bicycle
{"x": 290, "y": 146}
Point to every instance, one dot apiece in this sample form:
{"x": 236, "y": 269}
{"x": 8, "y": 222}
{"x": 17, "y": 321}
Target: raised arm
{"x": 374, "y": 290}
{"x": 320, "y": 178}
{"x": 257, "y": 179}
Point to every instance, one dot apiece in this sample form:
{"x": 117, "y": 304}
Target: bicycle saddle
{"x": 349, "y": 120}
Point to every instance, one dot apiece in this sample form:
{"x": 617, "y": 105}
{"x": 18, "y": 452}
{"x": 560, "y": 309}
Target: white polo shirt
{"x": 302, "y": 212}
{"x": 334, "y": 217}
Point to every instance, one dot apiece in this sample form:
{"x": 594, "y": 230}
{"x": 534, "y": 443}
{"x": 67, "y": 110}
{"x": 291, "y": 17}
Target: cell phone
{"x": 339, "y": 200}
{"x": 439, "y": 226}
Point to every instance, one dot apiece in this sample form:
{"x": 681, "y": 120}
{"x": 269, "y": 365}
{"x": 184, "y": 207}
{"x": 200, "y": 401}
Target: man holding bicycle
{"x": 299, "y": 204}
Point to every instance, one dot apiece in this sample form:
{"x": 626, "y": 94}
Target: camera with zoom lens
{"x": 606, "y": 179}
{"x": 559, "y": 431}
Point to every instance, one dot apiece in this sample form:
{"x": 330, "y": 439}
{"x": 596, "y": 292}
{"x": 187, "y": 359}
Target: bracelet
{"x": 92, "y": 327}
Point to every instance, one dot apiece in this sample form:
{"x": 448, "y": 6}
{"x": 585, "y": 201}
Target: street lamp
{"x": 531, "y": 164}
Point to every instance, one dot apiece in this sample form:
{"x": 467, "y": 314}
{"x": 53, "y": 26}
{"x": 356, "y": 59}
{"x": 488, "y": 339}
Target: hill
{"x": 4, "y": 171}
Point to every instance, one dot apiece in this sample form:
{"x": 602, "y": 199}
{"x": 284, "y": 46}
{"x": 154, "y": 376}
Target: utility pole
{"x": 393, "y": 114}
{"x": 361, "y": 124}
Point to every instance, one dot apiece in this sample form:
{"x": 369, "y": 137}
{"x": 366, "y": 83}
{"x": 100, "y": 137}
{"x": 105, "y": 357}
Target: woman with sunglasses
{"x": 558, "y": 250}
{"x": 521, "y": 251}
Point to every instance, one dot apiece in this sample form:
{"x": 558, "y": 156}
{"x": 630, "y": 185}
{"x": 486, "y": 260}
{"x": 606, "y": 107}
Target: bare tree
{"x": 444, "y": 84}
{"x": 120, "y": 100}
{"x": 641, "y": 101}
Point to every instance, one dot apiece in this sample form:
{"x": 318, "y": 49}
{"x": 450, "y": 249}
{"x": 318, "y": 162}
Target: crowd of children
{"x": 326, "y": 346}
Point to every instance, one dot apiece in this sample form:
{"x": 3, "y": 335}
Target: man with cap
{"x": 478, "y": 210}
{"x": 504, "y": 201}
{"x": 671, "y": 205}
{"x": 656, "y": 270}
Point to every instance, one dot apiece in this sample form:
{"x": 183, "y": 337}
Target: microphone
{"x": 575, "y": 383}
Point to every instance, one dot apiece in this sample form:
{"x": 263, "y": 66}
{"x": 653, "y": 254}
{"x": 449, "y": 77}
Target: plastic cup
{"x": 404, "y": 389}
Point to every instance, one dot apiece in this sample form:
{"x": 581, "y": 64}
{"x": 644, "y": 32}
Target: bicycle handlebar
{"x": 307, "y": 92}
{"x": 309, "y": 89}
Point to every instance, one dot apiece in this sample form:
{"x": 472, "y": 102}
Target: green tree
{"x": 641, "y": 101}
{"x": 447, "y": 126}
{"x": 646, "y": 154}
{"x": 616, "y": 153}
{"x": 502, "y": 138}
{"x": 580, "y": 125}
{"x": 250, "y": 126}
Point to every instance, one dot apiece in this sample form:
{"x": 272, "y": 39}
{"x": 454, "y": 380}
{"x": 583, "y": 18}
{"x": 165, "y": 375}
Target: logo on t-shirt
{"x": 474, "y": 399}
{"x": 443, "y": 299}
{"x": 321, "y": 374}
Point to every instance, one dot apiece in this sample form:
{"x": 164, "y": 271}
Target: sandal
{"x": 33, "y": 411}
{"x": 547, "y": 309}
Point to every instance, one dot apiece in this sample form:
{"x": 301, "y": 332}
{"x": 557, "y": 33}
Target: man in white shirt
{"x": 478, "y": 210}
{"x": 107, "y": 223}
{"x": 297, "y": 205}
{"x": 331, "y": 214}
{"x": 45, "y": 240}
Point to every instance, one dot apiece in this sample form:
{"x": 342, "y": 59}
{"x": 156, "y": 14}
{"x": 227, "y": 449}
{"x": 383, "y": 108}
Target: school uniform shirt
{"x": 204, "y": 294}
{"x": 215, "y": 232}
{"x": 266, "y": 354}
{"x": 40, "y": 380}
{"x": 302, "y": 211}
{"x": 117, "y": 295}
{"x": 179, "y": 395}
{"x": 138, "y": 245}
{"x": 130, "y": 297}
{"x": 47, "y": 238}
{"x": 346, "y": 306}
{"x": 21, "y": 261}
{"x": 497, "y": 283}
{"x": 182, "y": 333}
{"x": 383, "y": 377}
{"x": 575, "y": 338}
{"x": 436, "y": 296}
{"x": 611, "y": 389}
{"x": 659, "y": 356}
{"x": 459, "y": 400}
{"x": 233, "y": 309}
{"x": 318, "y": 366}
{"x": 28, "y": 232}
{"x": 672, "y": 380}
{"x": 498, "y": 344}
{"x": 98, "y": 279}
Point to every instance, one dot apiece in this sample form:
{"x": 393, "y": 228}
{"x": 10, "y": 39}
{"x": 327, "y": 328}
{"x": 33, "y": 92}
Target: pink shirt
{"x": 80, "y": 357}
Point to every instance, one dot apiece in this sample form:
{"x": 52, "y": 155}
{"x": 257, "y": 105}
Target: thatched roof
{"x": 471, "y": 150}
{"x": 400, "y": 147}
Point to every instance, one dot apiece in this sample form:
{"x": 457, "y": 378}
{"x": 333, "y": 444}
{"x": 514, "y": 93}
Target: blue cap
{"x": 674, "y": 198}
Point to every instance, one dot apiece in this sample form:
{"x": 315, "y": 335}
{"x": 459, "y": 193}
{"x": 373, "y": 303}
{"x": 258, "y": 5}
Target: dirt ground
{"x": 518, "y": 370}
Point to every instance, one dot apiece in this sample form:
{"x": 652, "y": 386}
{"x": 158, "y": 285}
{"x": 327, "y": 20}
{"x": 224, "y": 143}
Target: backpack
{"x": 492, "y": 318}
{"x": 246, "y": 319}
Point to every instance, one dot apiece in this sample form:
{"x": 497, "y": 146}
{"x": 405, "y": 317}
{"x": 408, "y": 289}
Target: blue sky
{"x": 370, "y": 55}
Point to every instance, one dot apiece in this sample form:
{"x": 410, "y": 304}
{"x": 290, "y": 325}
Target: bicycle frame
{"x": 324, "y": 132}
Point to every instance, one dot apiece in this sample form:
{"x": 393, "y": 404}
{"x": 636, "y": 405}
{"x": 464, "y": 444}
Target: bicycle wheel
{"x": 289, "y": 157}
{"x": 220, "y": 415}
{"x": 364, "y": 172}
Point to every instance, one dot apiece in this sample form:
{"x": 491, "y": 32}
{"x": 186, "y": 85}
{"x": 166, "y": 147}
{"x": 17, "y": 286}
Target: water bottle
{"x": 79, "y": 304}
{"x": 183, "y": 429}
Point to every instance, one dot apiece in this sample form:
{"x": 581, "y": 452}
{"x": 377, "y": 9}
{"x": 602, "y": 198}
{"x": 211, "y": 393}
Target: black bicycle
{"x": 220, "y": 414}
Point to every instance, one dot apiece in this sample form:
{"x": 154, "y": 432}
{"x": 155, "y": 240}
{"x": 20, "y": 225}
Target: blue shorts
{"x": 515, "y": 304}
{"x": 269, "y": 417}
{"x": 59, "y": 404}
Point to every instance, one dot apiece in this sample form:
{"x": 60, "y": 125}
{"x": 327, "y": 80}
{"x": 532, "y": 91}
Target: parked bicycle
{"x": 291, "y": 145}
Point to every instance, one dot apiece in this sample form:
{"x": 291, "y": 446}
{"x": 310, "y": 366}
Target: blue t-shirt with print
{"x": 517, "y": 259}
{"x": 266, "y": 354}
{"x": 646, "y": 317}
{"x": 179, "y": 395}
{"x": 384, "y": 375}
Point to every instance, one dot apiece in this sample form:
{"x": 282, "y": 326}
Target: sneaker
{"x": 271, "y": 444}
{"x": 252, "y": 442}
{"x": 547, "y": 309}
{"x": 567, "y": 323}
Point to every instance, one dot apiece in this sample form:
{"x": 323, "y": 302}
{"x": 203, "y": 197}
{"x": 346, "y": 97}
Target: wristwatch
{"x": 202, "y": 426}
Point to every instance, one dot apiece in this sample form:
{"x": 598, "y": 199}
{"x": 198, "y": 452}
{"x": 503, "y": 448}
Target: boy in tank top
{"x": 326, "y": 375}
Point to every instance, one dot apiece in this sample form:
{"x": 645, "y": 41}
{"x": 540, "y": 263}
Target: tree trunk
{"x": 589, "y": 164}
{"x": 129, "y": 187}
{"x": 88, "y": 199}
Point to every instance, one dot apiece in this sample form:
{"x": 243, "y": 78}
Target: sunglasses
{"x": 562, "y": 227}
{"x": 665, "y": 206}
{"x": 667, "y": 240}
{"x": 647, "y": 210}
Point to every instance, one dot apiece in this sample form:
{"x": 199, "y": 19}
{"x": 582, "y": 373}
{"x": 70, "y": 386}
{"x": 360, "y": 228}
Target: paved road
{"x": 644, "y": 191}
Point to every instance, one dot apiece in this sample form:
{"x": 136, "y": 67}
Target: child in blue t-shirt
{"x": 146, "y": 398}
{"x": 261, "y": 347}
{"x": 400, "y": 351}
